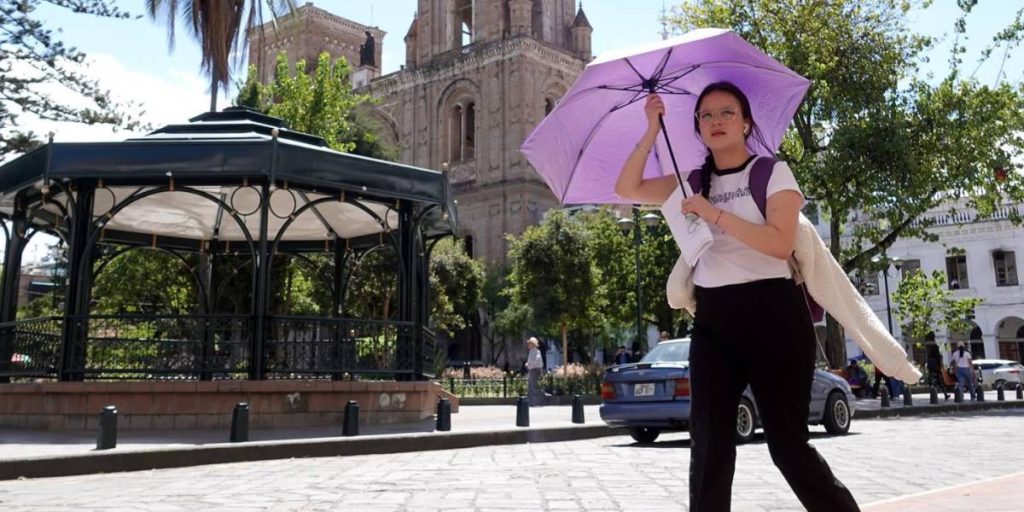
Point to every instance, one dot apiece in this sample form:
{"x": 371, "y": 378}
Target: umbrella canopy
{"x": 580, "y": 147}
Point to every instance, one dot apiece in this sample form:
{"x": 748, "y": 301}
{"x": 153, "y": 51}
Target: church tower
{"x": 478, "y": 77}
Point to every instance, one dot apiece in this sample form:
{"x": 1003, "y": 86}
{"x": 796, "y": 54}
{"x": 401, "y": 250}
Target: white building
{"x": 987, "y": 269}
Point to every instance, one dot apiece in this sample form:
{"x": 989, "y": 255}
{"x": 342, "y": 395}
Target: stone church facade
{"x": 479, "y": 75}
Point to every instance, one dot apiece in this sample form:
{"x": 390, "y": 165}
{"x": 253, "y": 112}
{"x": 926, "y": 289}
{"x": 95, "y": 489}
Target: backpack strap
{"x": 759, "y": 176}
{"x": 694, "y": 180}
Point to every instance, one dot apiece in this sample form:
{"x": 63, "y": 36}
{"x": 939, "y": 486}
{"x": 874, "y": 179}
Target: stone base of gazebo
{"x": 164, "y": 405}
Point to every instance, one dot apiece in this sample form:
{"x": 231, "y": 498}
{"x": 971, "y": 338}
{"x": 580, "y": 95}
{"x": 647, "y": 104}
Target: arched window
{"x": 461, "y": 132}
{"x": 549, "y": 105}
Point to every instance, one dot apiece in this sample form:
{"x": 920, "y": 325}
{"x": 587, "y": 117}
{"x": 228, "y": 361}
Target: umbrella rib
{"x": 661, "y": 66}
{"x": 629, "y": 88}
{"x": 638, "y": 74}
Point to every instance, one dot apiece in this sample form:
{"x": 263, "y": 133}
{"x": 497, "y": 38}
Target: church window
{"x": 463, "y": 23}
{"x": 462, "y": 132}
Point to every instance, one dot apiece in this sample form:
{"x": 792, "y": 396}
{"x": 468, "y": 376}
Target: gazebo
{"x": 225, "y": 183}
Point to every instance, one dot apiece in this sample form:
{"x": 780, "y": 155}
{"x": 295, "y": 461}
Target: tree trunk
{"x": 565, "y": 350}
{"x": 213, "y": 92}
{"x": 835, "y": 342}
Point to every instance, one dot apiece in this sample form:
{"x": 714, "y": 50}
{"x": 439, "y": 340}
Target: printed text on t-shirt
{"x": 729, "y": 196}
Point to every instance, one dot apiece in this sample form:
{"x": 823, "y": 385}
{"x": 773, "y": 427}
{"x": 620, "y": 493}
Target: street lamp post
{"x": 898, "y": 263}
{"x": 627, "y": 225}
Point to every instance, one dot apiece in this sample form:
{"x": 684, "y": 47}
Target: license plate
{"x": 643, "y": 389}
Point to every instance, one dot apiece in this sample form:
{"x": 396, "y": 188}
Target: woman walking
{"x": 744, "y": 275}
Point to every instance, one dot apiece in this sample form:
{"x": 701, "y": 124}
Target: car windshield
{"x": 674, "y": 352}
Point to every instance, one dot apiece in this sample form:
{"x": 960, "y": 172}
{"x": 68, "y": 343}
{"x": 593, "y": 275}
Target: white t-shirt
{"x": 728, "y": 260}
{"x": 961, "y": 362}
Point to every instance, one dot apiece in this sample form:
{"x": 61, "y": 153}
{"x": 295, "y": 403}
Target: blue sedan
{"x": 654, "y": 395}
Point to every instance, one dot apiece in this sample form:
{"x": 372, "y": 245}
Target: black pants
{"x": 759, "y": 334}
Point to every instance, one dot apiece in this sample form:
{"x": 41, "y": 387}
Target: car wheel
{"x": 644, "y": 435}
{"x": 999, "y": 384}
{"x": 746, "y": 420}
{"x": 837, "y": 414}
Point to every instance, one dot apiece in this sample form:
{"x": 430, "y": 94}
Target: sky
{"x": 132, "y": 58}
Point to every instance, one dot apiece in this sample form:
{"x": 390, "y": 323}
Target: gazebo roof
{"x": 228, "y": 155}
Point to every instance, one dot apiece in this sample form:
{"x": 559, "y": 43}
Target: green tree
{"x": 219, "y": 26}
{"x": 322, "y": 103}
{"x": 921, "y": 303}
{"x": 144, "y": 281}
{"x": 33, "y": 59}
{"x": 872, "y": 138}
{"x": 552, "y": 276}
{"x": 456, "y": 287}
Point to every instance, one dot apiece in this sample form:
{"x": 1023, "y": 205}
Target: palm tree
{"x": 217, "y": 26}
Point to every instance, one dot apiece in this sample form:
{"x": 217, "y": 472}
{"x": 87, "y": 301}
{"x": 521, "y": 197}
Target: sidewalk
{"x": 1001, "y": 494}
{"x": 44, "y": 454}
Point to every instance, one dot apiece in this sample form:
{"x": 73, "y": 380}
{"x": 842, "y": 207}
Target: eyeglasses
{"x": 725, "y": 115}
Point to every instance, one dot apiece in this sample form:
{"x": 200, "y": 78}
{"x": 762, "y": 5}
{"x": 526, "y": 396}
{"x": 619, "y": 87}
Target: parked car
{"x": 999, "y": 371}
{"x": 653, "y": 395}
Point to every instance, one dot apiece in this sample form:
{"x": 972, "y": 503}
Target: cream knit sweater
{"x": 831, "y": 288}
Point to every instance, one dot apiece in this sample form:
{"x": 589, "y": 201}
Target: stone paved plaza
{"x": 880, "y": 459}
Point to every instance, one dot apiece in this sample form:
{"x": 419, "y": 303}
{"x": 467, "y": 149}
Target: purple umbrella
{"x": 580, "y": 147}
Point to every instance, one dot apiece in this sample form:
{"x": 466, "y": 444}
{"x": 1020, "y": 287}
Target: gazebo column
{"x": 208, "y": 280}
{"x": 408, "y": 350}
{"x": 12, "y": 280}
{"x": 423, "y": 300}
{"x": 257, "y": 358}
{"x": 79, "y": 288}
{"x": 342, "y": 346}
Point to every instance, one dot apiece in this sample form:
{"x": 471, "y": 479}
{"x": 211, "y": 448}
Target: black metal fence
{"x": 213, "y": 347}
{"x": 31, "y": 348}
{"x": 305, "y": 347}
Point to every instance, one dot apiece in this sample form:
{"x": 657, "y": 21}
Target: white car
{"x": 1000, "y": 371}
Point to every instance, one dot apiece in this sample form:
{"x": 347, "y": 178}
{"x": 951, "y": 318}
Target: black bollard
{"x": 1020, "y": 391}
{"x": 465, "y": 370}
{"x": 933, "y": 395}
{"x": 108, "y": 429}
{"x": 351, "y": 425}
{"x": 908, "y": 398}
{"x": 1000, "y": 395}
{"x": 577, "y": 409}
{"x": 444, "y": 415}
{"x": 958, "y": 395}
{"x": 979, "y": 394}
{"x": 240, "y": 423}
{"x": 522, "y": 412}
{"x": 884, "y": 392}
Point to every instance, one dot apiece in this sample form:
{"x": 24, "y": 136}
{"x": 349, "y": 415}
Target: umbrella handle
{"x": 692, "y": 217}
{"x": 671, "y": 153}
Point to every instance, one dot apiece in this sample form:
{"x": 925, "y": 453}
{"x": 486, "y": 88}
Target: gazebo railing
{"x": 155, "y": 347}
{"x": 31, "y": 348}
{"x": 299, "y": 346}
{"x": 163, "y": 346}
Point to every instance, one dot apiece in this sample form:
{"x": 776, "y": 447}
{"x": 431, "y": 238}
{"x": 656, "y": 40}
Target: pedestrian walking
{"x": 963, "y": 367}
{"x": 749, "y": 311}
{"x": 534, "y": 366}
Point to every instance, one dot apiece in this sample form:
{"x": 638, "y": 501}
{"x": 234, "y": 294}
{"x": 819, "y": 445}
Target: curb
{"x": 141, "y": 460}
{"x": 223, "y": 453}
{"x": 920, "y": 410}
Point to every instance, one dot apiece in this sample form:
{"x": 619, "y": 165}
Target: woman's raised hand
{"x": 654, "y": 107}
